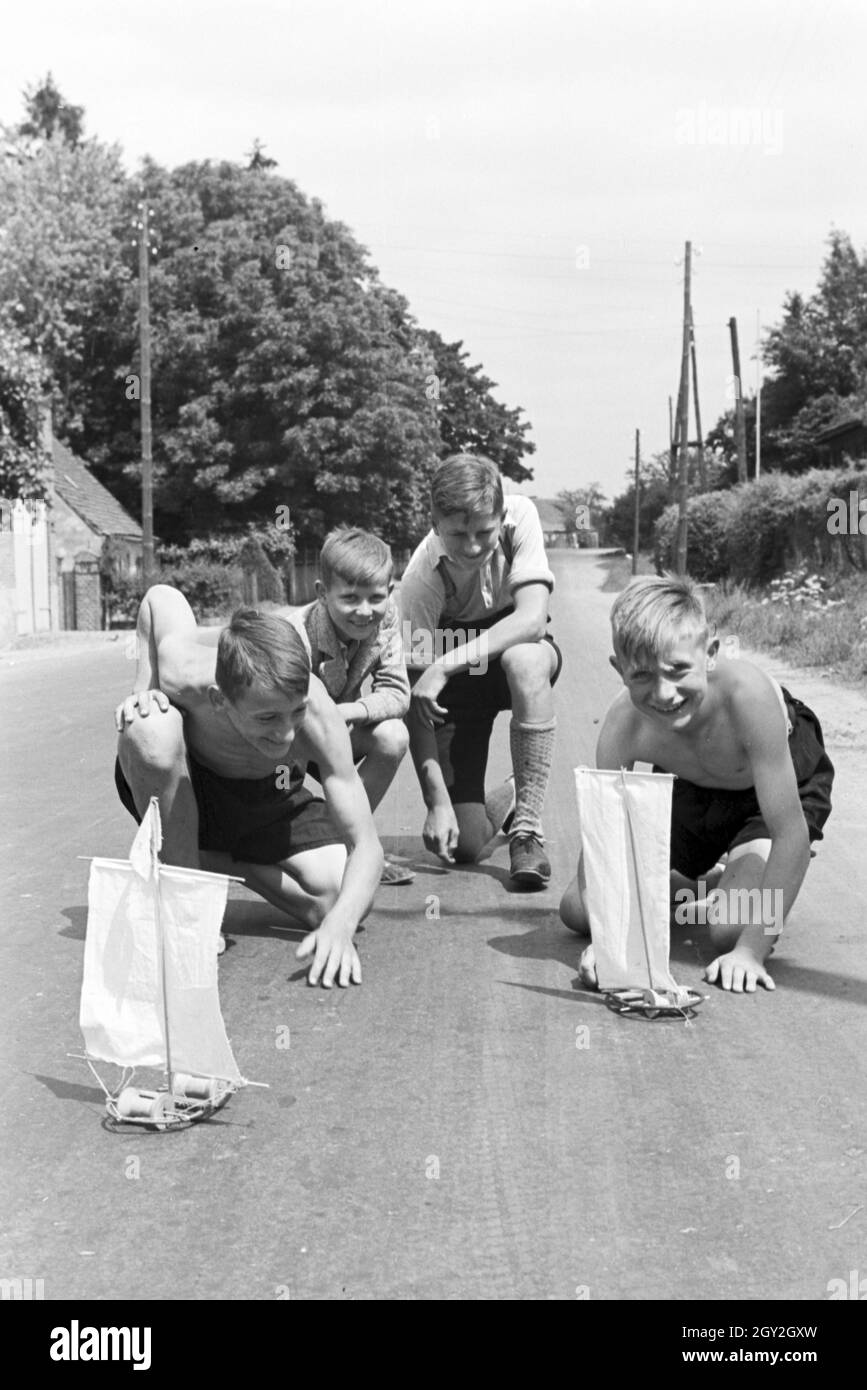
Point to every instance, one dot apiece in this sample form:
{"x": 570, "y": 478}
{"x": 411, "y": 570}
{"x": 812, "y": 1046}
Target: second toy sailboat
{"x": 149, "y": 997}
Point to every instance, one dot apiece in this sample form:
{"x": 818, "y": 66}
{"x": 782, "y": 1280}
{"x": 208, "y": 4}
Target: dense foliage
{"x": 285, "y": 373}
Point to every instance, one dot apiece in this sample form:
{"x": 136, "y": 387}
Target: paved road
{"x": 438, "y": 1133}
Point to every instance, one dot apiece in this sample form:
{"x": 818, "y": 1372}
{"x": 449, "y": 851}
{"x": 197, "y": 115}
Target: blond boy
{"x": 752, "y": 778}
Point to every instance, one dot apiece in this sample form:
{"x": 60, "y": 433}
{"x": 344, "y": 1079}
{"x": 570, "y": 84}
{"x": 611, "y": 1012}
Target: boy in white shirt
{"x": 474, "y": 609}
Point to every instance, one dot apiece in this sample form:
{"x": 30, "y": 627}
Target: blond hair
{"x": 655, "y": 610}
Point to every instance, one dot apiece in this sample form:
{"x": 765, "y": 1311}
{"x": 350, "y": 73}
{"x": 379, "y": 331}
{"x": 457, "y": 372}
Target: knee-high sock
{"x": 532, "y": 751}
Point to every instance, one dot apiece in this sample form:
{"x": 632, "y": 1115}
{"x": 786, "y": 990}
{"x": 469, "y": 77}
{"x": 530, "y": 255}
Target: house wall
{"x": 71, "y": 535}
{"x": 25, "y": 582}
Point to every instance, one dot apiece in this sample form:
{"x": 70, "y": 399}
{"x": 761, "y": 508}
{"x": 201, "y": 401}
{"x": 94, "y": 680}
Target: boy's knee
{"x": 390, "y": 739}
{"x": 320, "y": 905}
{"x": 527, "y": 663}
{"x": 573, "y": 913}
{"x": 469, "y": 847}
{"x": 156, "y": 742}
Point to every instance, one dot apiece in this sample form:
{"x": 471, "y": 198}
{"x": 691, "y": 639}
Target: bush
{"x": 753, "y": 533}
{"x": 269, "y": 584}
{"x": 211, "y": 589}
{"x": 763, "y": 519}
{"x": 707, "y": 524}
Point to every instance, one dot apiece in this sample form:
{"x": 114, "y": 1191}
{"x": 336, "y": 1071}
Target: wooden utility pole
{"x": 702, "y": 471}
{"x": 758, "y": 393}
{"x": 635, "y": 528}
{"x": 683, "y": 421}
{"x": 740, "y": 423}
{"x": 147, "y": 502}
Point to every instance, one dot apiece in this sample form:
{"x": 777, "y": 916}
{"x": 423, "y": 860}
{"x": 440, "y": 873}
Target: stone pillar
{"x": 88, "y": 598}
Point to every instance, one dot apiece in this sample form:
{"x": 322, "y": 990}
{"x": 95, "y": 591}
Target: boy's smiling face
{"x": 356, "y": 609}
{"x": 669, "y": 686}
{"x": 265, "y": 718}
{"x": 469, "y": 538}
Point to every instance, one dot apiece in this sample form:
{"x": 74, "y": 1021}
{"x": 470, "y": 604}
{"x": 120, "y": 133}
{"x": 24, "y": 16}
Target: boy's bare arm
{"x": 757, "y": 720}
{"x": 167, "y": 661}
{"x": 440, "y": 832}
{"x": 615, "y": 747}
{"x": 326, "y": 737}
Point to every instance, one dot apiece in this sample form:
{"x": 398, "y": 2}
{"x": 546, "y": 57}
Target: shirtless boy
{"x": 209, "y": 732}
{"x": 752, "y": 778}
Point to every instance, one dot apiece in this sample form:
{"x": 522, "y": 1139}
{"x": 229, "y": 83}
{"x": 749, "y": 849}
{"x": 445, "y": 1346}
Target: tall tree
{"x": 570, "y": 499}
{"x": 21, "y": 385}
{"x": 817, "y": 356}
{"x": 258, "y": 158}
{"x": 284, "y": 372}
{"x": 62, "y": 273}
{"x": 49, "y": 114}
{"x": 470, "y": 418}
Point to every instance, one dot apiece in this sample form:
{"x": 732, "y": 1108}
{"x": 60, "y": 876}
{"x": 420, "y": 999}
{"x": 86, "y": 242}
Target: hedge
{"x": 754, "y": 532}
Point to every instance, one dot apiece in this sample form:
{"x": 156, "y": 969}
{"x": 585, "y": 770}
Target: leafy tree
{"x": 653, "y": 499}
{"x": 284, "y": 372}
{"x": 48, "y": 114}
{"x": 818, "y": 360}
{"x": 258, "y": 158}
{"x": 469, "y": 417}
{"x": 21, "y": 384}
{"x": 62, "y": 275}
{"x": 570, "y": 499}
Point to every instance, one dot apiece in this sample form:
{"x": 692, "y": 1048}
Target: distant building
{"x": 51, "y": 552}
{"x": 85, "y": 519}
{"x": 556, "y": 530}
{"x": 849, "y": 436}
{"x": 554, "y": 526}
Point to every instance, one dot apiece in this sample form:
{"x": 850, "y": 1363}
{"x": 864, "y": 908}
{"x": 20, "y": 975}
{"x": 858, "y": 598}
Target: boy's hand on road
{"x": 334, "y": 956}
{"x": 440, "y": 832}
{"x": 139, "y": 703}
{"x": 739, "y": 971}
{"x": 425, "y": 693}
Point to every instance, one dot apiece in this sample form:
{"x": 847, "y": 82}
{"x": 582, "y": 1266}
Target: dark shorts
{"x": 251, "y": 819}
{"x": 473, "y": 700}
{"x": 708, "y": 822}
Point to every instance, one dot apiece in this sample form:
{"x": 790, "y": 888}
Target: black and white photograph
{"x": 433, "y": 667}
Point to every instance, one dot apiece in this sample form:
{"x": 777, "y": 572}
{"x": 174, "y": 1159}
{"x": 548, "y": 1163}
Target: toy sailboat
{"x": 625, "y": 820}
{"x": 149, "y": 996}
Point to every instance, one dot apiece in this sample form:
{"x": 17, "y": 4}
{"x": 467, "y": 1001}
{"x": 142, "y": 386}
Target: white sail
{"x": 132, "y": 919}
{"x": 625, "y": 828}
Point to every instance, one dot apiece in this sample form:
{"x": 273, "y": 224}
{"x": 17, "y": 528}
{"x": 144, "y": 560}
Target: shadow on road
{"x": 549, "y": 942}
{"x": 552, "y": 942}
{"x": 68, "y": 1090}
{"x": 77, "y": 919}
{"x": 576, "y": 995}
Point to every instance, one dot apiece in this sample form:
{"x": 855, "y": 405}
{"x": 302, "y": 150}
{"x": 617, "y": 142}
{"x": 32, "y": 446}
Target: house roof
{"x": 855, "y": 422}
{"x": 550, "y": 515}
{"x": 80, "y": 490}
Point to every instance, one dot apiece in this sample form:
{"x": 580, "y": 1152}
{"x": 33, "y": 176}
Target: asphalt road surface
{"x": 468, "y": 1124}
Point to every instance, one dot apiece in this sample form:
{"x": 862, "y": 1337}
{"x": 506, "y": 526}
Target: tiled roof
{"x": 74, "y": 482}
{"x": 550, "y": 515}
{"x": 854, "y": 422}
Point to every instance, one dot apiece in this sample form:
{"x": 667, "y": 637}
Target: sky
{"x": 525, "y": 172}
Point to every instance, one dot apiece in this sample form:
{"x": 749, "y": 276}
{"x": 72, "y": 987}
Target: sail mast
{"x": 156, "y": 844}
